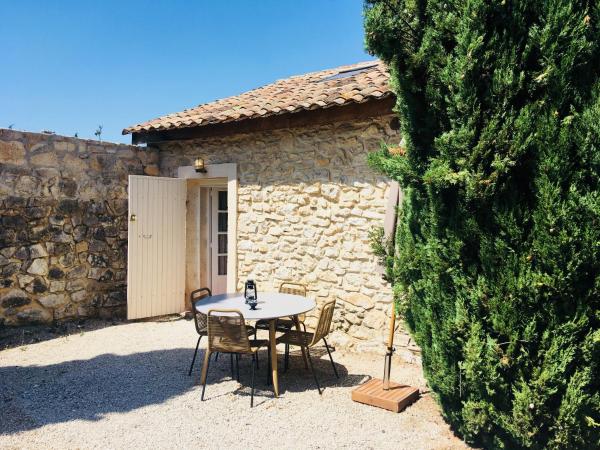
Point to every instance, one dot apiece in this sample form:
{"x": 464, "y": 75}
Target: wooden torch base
{"x": 395, "y": 399}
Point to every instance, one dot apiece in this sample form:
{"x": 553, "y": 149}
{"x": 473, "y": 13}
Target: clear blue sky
{"x": 69, "y": 66}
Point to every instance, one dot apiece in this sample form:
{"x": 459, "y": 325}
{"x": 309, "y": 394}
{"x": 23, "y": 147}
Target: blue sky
{"x": 68, "y": 66}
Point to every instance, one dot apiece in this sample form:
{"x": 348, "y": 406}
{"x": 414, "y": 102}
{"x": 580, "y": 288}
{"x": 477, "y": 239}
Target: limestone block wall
{"x": 307, "y": 201}
{"x": 63, "y": 217}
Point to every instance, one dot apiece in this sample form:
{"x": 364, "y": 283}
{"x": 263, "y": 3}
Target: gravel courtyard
{"x": 127, "y": 386}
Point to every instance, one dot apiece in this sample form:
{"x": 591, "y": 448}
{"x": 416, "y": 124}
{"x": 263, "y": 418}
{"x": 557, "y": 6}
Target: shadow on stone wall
{"x": 63, "y": 226}
{"x": 62, "y": 259}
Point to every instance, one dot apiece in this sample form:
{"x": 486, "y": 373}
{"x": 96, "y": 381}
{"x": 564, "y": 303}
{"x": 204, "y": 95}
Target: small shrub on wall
{"x": 497, "y": 250}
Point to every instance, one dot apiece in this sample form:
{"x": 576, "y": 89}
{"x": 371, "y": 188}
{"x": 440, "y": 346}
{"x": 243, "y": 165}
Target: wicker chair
{"x": 294, "y": 289}
{"x": 286, "y": 324}
{"x": 200, "y": 322}
{"x": 308, "y": 340}
{"x": 227, "y": 333}
{"x": 199, "y": 319}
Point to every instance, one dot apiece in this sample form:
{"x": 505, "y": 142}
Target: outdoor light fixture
{"x": 199, "y": 165}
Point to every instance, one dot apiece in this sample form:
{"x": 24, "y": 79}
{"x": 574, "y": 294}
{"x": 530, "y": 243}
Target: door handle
{"x": 133, "y": 218}
{"x": 146, "y": 236}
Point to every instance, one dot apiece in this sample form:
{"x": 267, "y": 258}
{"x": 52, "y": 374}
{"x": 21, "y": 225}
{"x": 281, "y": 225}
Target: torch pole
{"x": 390, "y": 350}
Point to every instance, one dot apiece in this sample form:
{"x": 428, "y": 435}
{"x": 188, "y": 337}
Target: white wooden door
{"x": 218, "y": 241}
{"x": 156, "y": 246}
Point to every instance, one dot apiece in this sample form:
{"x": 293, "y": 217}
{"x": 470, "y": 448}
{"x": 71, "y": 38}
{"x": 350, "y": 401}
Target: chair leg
{"x": 237, "y": 366}
{"x": 194, "y": 358}
{"x": 216, "y": 356}
{"x": 286, "y": 360}
{"x": 205, "y": 378}
{"x": 254, "y": 364}
{"x": 312, "y": 370}
{"x": 331, "y": 359}
{"x": 255, "y": 338}
{"x": 231, "y": 364}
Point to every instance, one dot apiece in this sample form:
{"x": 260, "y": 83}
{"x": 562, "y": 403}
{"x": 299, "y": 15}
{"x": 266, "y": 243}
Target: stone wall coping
{"x": 6, "y": 132}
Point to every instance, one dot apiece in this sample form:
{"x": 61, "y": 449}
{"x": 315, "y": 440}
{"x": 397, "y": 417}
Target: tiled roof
{"x": 356, "y": 83}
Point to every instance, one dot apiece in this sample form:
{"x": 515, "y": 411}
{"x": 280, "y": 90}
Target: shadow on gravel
{"x": 34, "y": 396}
{"x": 11, "y": 337}
{"x": 296, "y": 379}
{"x": 30, "y": 334}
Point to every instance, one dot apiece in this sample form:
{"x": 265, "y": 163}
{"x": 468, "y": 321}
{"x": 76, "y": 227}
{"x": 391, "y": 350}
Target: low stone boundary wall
{"x": 63, "y": 217}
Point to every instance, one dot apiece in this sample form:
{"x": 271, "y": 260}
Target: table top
{"x": 271, "y": 305}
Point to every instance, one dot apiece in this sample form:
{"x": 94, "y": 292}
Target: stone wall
{"x": 307, "y": 201}
{"x": 63, "y": 235}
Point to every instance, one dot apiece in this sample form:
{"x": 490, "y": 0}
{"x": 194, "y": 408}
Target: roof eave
{"x": 371, "y": 107}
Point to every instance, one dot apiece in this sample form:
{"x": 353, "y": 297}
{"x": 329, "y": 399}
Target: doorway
{"x": 207, "y": 237}
{"x": 211, "y": 223}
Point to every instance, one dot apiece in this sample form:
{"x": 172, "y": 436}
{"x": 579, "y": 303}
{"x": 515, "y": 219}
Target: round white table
{"x": 271, "y": 306}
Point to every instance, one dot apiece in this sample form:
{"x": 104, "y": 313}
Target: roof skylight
{"x": 348, "y": 73}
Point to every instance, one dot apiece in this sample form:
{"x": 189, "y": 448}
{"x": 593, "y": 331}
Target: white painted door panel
{"x": 156, "y": 246}
{"x": 218, "y": 240}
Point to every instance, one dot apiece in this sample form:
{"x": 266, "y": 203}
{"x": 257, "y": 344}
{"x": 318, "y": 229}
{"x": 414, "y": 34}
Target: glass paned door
{"x": 219, "y": 218}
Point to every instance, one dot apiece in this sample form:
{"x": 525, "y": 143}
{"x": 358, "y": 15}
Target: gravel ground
{"x": 127, "y": 386}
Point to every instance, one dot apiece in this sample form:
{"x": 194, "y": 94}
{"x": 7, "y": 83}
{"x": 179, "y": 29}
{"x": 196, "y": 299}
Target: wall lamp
{"x": 199, "y": 165}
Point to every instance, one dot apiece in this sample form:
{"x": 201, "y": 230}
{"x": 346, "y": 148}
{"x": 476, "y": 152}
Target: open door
{"x": 156, "y": 246}
{"x": 218, "y": 240}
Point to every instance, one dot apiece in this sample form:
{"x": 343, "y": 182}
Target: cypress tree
{"x": 496, "y": 258}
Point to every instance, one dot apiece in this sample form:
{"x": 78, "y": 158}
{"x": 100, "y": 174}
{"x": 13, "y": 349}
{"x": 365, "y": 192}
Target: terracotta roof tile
{"x": 355, "y": 83}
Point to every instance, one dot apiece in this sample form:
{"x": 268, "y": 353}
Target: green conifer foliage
{"x": 497, "y": 251}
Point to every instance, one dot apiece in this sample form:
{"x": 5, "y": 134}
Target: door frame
{"x": 218, "y": 175}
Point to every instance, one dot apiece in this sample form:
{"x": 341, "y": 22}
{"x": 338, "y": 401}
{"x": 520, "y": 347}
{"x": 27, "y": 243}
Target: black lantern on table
{"x": 251, "y": 293}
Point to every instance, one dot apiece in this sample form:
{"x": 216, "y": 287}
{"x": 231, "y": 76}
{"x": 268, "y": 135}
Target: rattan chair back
{"x": 227, "y": 332}
{"x": 324, "y": 323}
{"x": 289, "y": 287}
{"x": 292, "y": 288}
{"x": 199, "y": 318}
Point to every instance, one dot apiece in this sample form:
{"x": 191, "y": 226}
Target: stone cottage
{"x": 305, "y": 200}
{"x": 285, "y": 195}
